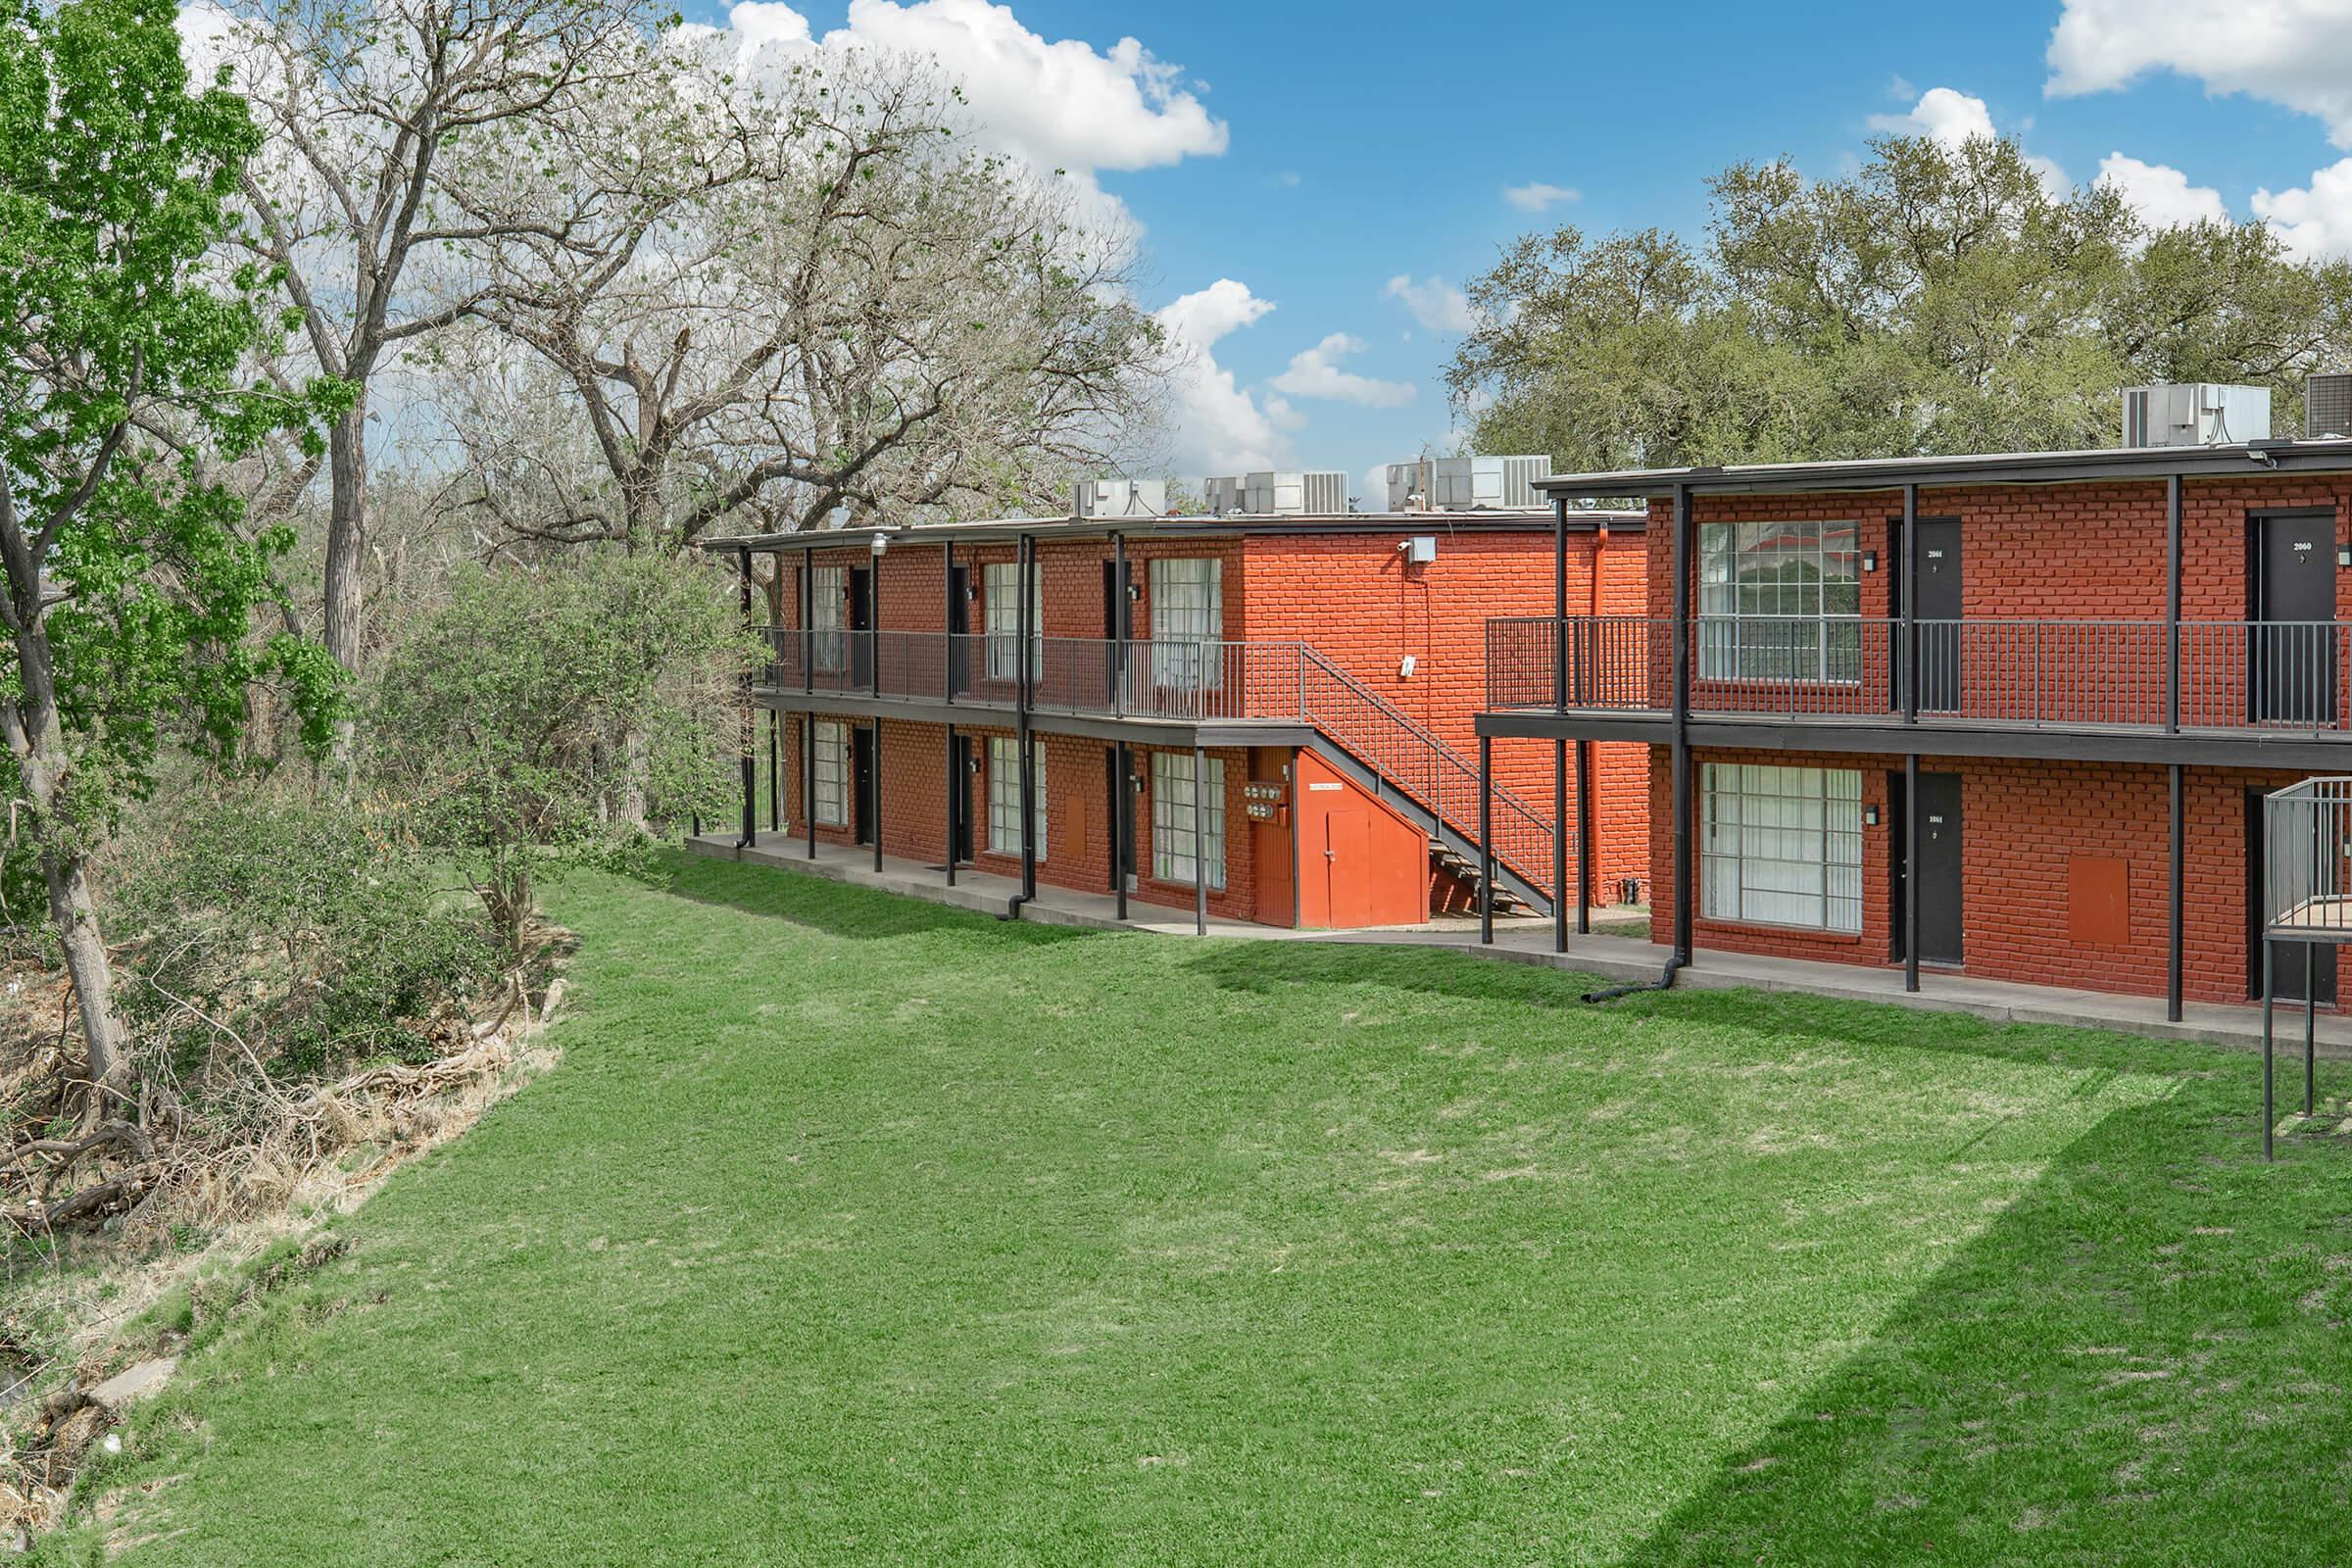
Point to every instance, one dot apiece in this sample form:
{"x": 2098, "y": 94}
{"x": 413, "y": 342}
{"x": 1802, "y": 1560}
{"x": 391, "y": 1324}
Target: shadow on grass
{"x": 2141, "y": 1361}
{"x": 1462, "y": 972}
{"x": 837, "y": 909}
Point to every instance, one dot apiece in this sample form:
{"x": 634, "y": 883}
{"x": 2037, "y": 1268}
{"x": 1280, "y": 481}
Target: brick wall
{"x": 2024, "y": 824}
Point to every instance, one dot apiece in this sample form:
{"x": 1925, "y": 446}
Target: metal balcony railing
{"x": 1182, "y": 680}
{"x": 2290, "y": 676}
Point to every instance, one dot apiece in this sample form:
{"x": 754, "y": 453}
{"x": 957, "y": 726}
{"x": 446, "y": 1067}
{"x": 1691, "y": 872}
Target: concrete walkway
{"x": 1528, "y": 939}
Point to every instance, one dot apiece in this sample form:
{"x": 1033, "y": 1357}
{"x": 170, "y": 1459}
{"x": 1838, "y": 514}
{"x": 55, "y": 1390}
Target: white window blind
{"x": 1000, "y": 612}
{"x": 1780, "y": 601}
{"x": 1782, "y": 846}
{"x": 1005, "y": 794}
{"x": 1188, "y": 617}
{"x": 832, "y": 755}
{"x": 1172, "y": 827}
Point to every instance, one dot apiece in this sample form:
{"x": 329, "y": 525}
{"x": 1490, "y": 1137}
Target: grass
{"x": 851, "y": 1230}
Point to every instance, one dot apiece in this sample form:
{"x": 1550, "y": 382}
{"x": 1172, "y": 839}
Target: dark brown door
{"x": 1940, "y": 595}
{"x": 862, "y": 621}
{"x": 959, "y": 627}
{"x": 1939, "y": 870}
{"x": 2294, "y": 652}
{"x": 861, "y": 782}
{"x": 960, "y": 799}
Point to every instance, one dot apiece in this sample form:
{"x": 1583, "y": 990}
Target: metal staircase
{"x": 1407, "y": 761}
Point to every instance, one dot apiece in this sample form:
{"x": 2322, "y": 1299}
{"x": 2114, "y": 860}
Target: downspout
{"x": 1024, "y": 558}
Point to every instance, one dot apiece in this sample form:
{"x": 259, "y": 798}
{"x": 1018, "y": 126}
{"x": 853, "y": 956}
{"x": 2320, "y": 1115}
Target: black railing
{"x": 2290, "y": 676}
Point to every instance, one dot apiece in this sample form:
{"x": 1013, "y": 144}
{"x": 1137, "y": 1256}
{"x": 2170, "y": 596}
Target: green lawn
{"x": 851, "y": 1230}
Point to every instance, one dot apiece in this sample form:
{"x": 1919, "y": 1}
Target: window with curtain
{"x": 1188, "y": 617}
{"x": 831, "y": 802}
{"x": 1782, "y": 846}
{"x": 1173, "y": 842}
{"x": 1005, "y": 794}
{"x": 1001, "y": 617}
{"x": 1780, "y": 601}
{"x": 828, "y": 609}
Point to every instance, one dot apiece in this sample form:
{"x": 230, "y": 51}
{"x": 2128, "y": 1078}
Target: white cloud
{"x": 1283, "y": 415}
{"x": 1435, "y": 303}
{"x": 1948, "y": 116}
{"x": 1215, "y": 426}
{"x": 1313, "y": 374}
{"x": 2315, "y": 221}
{"x": 1953, "y": 118}
{"x": 2292, "y": 51}
{"x": 1058, "y": 104}
{"x": 2162, "y": 196}
{"x": 1538, "y": 196}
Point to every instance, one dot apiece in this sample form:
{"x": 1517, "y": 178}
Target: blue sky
{"x": 1299, "y": 158}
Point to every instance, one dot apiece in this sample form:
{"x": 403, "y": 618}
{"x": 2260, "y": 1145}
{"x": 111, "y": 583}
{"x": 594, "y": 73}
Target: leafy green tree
{"x": 521, "y": 719}
{"x": 1938, "y": 298}
{"x": 128, "y": 591}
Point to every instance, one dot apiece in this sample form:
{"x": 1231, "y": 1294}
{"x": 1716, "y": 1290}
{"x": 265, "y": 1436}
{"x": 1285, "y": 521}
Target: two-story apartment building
{"x": 2007, "y": 715}
{"x": 1265, "y": 718}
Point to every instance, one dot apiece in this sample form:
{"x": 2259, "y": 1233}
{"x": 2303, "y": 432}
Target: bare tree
{"x": 361, "y": 104}
{"x": 774, "y": 299}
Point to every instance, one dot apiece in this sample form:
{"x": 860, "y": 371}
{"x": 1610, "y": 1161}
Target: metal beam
{"x": 1559, "y": 841}
{"x": 1685, "y": 831}
{"x": 954, "y": 782}
{"x": 1584, "y": 838}
{"x": 1486, "y": 839}
{"x": 1911, "y": 871}
{"x": 747, "y": 732}
{"x": 1024, "y": 562}
{"x": 2173, "y": 899}
{"x": 1200, "y": 842}
{"x": 809, "y": 779}
{"x": 1122, "y": 828}
{"x": 805, "y": 631}
{"x": 2171, "y": 605}
{"x": 775, "y": 771}
{"x": 1908, "y": 587}
{"x": 1121, "y": 626}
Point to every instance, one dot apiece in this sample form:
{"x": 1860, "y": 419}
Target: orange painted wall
{"x": 1385, "y": 873}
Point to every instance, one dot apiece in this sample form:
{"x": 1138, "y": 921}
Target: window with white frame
{"x": 1780, "y": 601}
{"x": 1005, "y": 794}
{"x": 1173, "y": 842}
{"x": 1188, "y": 619}
{"x": 831, "y": 802}
{"x": 828, "y": 606}
{"x": 1782, "y": 846}
{"x": 1001, "y": 613}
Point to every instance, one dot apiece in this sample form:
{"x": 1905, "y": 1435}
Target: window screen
{"x": 1000, "y": 612}
{"x": 1005, "y": 794}
{"x": 832, "y": 753}
{"x": 1188, "y": 617}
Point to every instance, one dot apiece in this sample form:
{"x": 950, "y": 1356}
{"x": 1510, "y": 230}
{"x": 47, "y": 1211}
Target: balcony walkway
{"x": 1528, "y": 939}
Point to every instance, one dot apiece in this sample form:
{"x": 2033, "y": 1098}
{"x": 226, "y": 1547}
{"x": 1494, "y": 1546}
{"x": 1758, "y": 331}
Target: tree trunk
{"x": 346, "y": 527}
{"x": 68, "y": 876}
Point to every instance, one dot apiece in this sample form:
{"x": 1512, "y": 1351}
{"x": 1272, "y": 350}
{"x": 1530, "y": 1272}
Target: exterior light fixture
{"x": 1870, "y": 561}
{"x": 1869, "y": 816}
{"x": 879, "y": 545}
{"x": 2343, "y": 555}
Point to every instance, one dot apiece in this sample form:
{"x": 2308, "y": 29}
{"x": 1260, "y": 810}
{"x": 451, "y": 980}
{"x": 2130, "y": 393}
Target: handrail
{"x": 1173, "y": 678}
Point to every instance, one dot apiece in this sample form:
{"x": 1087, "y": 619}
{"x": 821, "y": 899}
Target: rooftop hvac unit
{"x": 2201, "y": 413}
{"x": 1121, "y": 498}
{"x": 1221, "y": 494}
{"x": 1466, "y": 484}
{"x": 2328, "y": 407}
{"x": 1314, "y": 493}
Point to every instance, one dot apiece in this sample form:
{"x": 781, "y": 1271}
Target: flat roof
{"x": 1229, "y": 527}
{"x": 2231, "y": 460}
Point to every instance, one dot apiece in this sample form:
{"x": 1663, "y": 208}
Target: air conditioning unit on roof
{"x": 2200, "y": 413}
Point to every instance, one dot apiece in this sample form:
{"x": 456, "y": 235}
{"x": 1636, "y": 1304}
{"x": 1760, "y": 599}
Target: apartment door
{"x": 959, "y": 627}
{"x": 1122, "y": 821}
{"x": 2288, "y": 959}
{"x": 1940, "y": 584}
{"x": 2292, "y": 668}
{"x": 1939, "y": 870}
{"x": 861, "y": 620}
{"x": 1117, "y": 616}
{"x": 861, "y": 782}
{"x": 959, "y": 798}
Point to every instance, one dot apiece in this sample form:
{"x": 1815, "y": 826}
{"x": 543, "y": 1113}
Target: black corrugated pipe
{"x": 1664, "y": 982}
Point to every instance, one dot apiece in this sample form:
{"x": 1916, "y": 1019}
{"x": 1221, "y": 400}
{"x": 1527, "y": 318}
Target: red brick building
{"x": 1261, "y": 718}
{"x": 2021, "y": 706}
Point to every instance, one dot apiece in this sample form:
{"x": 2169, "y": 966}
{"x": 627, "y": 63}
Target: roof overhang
{"x": 2244, "y": 459}
{"x": 1008, "y": 530}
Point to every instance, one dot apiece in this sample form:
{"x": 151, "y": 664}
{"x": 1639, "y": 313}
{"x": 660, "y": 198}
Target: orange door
{"x": 1347, "y": 867}
{"x": 1270, "y": 850}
